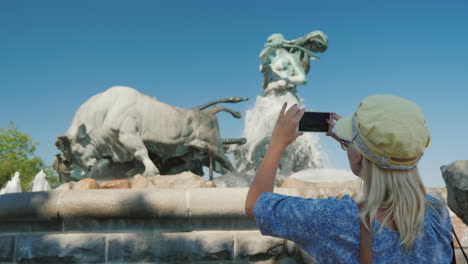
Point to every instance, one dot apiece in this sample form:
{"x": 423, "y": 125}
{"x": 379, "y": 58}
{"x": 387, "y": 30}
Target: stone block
{"x": 86, "y": 184}
{"x": 158, "y": 247}
{"x": 139, "y": 182}
{"x": 172, "y": 247}
{"x": 226, "y": 205}
{"x": 61, "y": 248}
{"x": 213, "y": 203}
{"x": 184, "y": 180}
{"x": 212, "y": 246}
{"x": 115, "y": 184}
{"x": 252, "y": 246}
{"x": 131, "y": 248}
{"x": 7, "y": 247}
{"x": 123, "y": 203}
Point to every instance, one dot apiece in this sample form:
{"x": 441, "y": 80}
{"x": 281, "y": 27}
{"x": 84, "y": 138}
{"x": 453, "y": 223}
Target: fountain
{"x": 40, "y": 182}
{"x": 284, "y": 64}
{"x": 143, "y": 199}
{"x": 13, "y": 185}
{"x": 147, "y": 223}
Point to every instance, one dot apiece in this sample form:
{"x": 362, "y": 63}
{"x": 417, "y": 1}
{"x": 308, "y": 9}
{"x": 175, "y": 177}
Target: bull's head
{"x": 78, "y": 150}
{"x": 63, "y": 144}
{"x": 205, "y": 138}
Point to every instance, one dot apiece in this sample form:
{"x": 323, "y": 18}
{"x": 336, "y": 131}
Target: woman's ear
{"x": 359, "y": 158}
{"x": 358, "y": 162}
{"x": 355, "y": 161}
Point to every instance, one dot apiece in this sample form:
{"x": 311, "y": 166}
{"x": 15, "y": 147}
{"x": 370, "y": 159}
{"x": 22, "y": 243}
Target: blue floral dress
{"x": 329, "y": 230}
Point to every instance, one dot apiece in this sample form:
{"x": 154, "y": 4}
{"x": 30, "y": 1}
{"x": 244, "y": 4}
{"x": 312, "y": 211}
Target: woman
{"x": 384, "y": 140}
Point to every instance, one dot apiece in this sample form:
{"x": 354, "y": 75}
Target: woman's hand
{"x": 331, "y": 122}
{"x": 285, "y": 131}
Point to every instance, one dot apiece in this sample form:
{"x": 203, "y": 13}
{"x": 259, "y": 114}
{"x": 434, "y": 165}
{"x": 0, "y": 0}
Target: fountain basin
{"x": 205, "y": 225}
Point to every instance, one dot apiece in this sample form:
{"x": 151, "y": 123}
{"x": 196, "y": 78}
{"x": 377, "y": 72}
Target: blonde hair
{"x": 402, "y": 196}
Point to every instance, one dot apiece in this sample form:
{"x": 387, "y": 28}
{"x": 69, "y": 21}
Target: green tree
{"x": 17, "y": 154}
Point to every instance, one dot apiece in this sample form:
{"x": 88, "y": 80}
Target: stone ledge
{"x": 30, "y": 205}
{"x": 123, "y": 204}
{"x": 126, "y": 204}
{"x": 222, "y": 202}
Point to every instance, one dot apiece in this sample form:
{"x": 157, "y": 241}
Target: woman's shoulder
{"x": 346, "y": 202}
{"x": 434, "y": 198}
{"x": 436, "y": 205}
{"x": 332, "y": 207}
{"x": 437, "y": 214}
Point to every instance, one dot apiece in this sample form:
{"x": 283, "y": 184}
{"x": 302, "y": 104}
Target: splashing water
{"x": 259, "y": 123}
{"x": 40, "y": 183}
{"x": 13, "y": 185}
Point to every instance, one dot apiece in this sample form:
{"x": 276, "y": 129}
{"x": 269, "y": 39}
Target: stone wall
{"x": 136, "y": 226}
{"x": 203, "y": 225}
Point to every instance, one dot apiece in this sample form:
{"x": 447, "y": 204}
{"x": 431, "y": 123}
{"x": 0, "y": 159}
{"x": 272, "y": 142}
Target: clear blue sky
{"x": 54, "y": 55}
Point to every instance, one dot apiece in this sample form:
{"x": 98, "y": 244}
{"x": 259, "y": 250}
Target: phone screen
{"x": 314, "y": 122}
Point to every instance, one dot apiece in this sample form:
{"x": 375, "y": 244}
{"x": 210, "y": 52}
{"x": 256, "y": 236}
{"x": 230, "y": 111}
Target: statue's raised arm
{"x": 285, "y": 63}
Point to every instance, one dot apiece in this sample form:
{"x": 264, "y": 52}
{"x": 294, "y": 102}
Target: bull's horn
{"x": 225, "y": 100}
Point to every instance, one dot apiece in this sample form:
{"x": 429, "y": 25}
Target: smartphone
{"x": 315, "y": 122}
